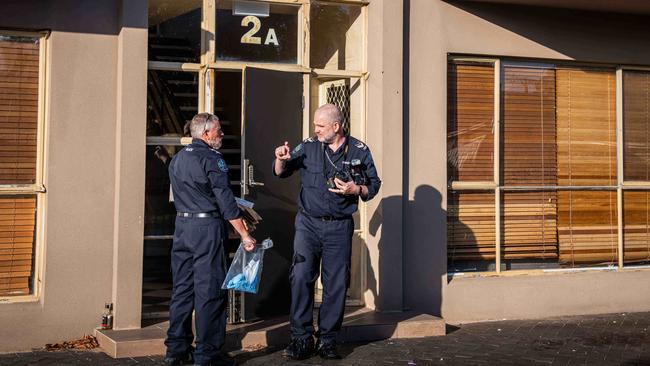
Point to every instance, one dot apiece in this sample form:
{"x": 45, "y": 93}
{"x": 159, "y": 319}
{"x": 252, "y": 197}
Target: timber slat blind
{"x": 528, "y": 127}
{"x": 470, "y": 226}
{"x": 636, "y": 221}
{"x": 586, "y": 127}
{"x": 19, "y": 65}
{"x": 587, "y": 227}
{"x": 636, "y": 128}
{"x": 529, "y": 225}
{"x": 529, "y": 228}
{"x": 17, "y": 220}
{"x": 19, "y": 98}
{"x": 586, "y": 135}
{"x": 470, "y": 122}
{"x": 558, "y": 130}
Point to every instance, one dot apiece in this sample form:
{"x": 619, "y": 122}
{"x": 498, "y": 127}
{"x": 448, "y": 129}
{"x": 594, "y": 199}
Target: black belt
{"x": 325, "y": 218}
{"x": 198, "y": 215}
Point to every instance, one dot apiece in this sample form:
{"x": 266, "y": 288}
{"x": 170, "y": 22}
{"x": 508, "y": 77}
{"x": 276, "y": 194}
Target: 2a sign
{"x": 250, "y": 36}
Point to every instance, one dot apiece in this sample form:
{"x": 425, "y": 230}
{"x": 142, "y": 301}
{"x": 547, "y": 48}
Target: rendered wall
{"x": 440, "y": 28}
{"x": 85, "y": 103}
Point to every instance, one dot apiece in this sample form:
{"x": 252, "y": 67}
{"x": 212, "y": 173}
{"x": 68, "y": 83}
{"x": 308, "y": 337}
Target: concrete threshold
{"x": 359, "y": 325}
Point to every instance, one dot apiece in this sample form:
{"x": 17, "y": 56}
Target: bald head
{"x": 329, "y": 113}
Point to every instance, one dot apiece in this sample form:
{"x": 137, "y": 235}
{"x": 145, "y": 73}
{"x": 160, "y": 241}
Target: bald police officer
{"x": 335, "y": 170}
{"x": 203, "y": 200}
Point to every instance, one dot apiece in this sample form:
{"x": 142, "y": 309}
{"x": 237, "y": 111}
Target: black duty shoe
{"x": 328, "y": 351}
{"x": 186, "y": 359}
{"x": 299, "y": 349}
{"x": 221, "y": 360}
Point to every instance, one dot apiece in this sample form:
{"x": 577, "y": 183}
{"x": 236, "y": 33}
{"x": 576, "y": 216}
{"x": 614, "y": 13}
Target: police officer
{"x": 335, "y": 170}
{"x": 203, "y": 199}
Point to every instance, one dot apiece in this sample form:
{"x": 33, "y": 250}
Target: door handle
{"x": 251, "y": 177}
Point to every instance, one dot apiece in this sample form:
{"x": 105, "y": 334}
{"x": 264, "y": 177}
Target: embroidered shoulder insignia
{"x": 360, "y": 145}
{"x": 309, "y": 139}
{"x": 189, "y": 149}
{"x": 222, "y": 165}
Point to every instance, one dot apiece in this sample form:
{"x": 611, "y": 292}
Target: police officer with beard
{"x": 203, "y": 200}
{"x": 335, "y": 170}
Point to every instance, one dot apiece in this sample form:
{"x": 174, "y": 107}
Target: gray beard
{"x": 215, "y": 144}
{"x": 327, "y": 139}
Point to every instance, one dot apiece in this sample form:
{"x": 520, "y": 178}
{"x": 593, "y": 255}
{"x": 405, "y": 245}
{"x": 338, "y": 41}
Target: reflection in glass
{"x": 636, "y": 221}
{"x": 175, "y": 30}
{"x": 336, "y": 37}
{"x": 470, "y": 231}
{"x": 636, "y": 125}
{"x": 272, "y": 38}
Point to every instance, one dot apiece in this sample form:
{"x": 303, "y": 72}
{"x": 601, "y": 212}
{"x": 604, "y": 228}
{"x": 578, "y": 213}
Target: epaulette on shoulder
{"x": 309, "y": 139}
{"x": 359, "y": 144}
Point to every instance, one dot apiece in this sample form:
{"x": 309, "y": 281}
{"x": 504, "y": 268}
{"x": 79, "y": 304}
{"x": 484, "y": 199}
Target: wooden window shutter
{"x": 19, "y": 67}
{"x": 470, "y": 120}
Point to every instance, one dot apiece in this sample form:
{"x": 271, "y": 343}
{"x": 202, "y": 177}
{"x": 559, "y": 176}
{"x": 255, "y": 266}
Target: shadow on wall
{"x": 579, "y": 34}
{"x": 423, "y": 250}
{"x": 75, "y": 16}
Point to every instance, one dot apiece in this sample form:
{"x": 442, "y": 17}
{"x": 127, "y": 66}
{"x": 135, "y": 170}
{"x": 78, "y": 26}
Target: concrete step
{"x": 359, "y": 324}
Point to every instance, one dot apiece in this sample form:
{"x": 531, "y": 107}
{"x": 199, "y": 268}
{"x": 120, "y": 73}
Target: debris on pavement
{"x": 87, "y": 342}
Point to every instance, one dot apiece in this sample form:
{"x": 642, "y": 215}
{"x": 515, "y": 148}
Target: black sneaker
{"x": 328, "y": 351}
{"x": 299, "y": 349}
{"x": 186, "y": 359}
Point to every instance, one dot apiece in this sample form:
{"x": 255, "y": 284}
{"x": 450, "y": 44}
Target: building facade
{"x": 511, "y": 138}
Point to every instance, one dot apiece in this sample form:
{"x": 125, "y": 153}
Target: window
{"x": 636, "y": 167}
{"x": 538, "y": 188}
{"x": 21, "y": 188}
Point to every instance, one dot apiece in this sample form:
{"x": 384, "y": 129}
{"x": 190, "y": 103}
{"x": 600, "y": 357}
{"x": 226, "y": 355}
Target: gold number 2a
{"x": 249, "y": 37}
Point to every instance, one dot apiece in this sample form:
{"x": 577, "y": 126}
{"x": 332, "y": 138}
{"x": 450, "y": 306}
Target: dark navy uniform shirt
{"x": 310, "y": 158}
{"x": 199, "y": 178}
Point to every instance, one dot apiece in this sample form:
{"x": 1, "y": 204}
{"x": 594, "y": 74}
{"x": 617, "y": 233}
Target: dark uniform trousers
{"x": 330, "y": 241}
{"x": 198, "y": 271}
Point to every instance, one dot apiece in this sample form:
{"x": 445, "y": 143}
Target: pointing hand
{"x": 283, "y": 152}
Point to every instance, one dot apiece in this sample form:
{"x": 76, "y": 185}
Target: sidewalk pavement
{"x": 612, "y": 339}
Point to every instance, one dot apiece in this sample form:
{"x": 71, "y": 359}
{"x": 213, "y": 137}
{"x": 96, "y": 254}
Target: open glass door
{"x": 272, "y": 114}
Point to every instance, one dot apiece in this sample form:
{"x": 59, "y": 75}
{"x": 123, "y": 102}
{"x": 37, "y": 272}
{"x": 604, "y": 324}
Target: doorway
{"x": 264, "y": 93}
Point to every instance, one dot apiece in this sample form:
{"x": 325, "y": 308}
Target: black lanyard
{"x": 326, "y": 156}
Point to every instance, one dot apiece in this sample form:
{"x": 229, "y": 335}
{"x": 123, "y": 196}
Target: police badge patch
{"x": 222, "y": 165}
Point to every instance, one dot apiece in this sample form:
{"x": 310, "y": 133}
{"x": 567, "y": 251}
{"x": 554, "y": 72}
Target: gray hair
{"x": 331, "y": 113}
{"x": 202, "y": 122}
